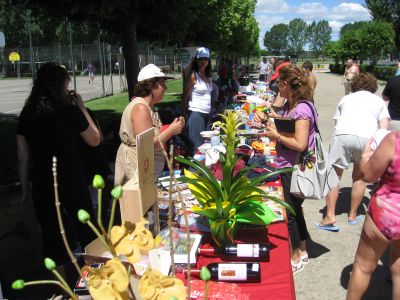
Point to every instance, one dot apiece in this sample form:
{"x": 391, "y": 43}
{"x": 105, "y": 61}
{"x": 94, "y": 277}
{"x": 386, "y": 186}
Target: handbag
{"x": 314, "y": 175}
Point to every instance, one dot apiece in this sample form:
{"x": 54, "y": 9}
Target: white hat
{"x": 151, "y": 71}
{"x": 202, "y": 52}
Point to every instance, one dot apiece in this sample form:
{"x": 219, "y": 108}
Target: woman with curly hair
{"x": 358, "y": 116}
{"x": 294, "y": 86}
{"x": 52, "y": 121}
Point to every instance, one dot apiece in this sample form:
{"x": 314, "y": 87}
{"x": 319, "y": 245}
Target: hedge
{"x": 380, "y": 72}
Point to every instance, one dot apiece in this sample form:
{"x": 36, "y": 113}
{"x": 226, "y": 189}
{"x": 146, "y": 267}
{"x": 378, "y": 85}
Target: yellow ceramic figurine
{"x": 109, "y": 282}
{"x": 155, "y": 286}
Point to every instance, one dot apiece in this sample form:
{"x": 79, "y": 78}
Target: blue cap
{"x": 202, "y": 52}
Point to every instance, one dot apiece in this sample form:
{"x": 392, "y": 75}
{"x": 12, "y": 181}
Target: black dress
{"x": 58, "y": 135}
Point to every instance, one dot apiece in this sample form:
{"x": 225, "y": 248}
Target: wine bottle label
{"x": 255, "y": 267}
{"x": 248, "y": 250}
{"x": 232, "y": 272}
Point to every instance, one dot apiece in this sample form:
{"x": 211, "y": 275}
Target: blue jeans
{"x": 196, "y": 123}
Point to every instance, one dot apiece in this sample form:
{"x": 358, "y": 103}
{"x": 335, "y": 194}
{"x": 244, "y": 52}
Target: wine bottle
{"x": 242, "y": 252}
{"x": 232, "y": 272}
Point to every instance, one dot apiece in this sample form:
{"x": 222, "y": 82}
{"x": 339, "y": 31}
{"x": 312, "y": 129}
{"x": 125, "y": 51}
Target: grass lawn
{"x": 110, "y": 108}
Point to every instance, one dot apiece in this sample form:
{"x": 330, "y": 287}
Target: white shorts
{"x": 346, "y": 149}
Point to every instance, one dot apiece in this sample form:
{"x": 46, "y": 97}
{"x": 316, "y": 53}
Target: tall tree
{"x": 389, "y": 11}
{"x": 276, "y": 39}
{"x": 237, "y": 29}
{"x": 297, "y": 35}
{"x": 127, "y": 20}
{"x": 319, "y": 34}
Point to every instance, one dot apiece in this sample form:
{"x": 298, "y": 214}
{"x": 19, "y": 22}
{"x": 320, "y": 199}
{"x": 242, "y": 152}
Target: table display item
{"x": 233, "y": 272}
{"x": 239, "y": 252}
{"x": 233, "y": 200}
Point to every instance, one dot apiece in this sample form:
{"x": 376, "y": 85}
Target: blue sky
{"x": 336, "y": 12}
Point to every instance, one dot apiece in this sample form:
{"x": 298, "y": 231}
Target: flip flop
{"x": 328, "y": 227}
{"x": 357, "y": 220}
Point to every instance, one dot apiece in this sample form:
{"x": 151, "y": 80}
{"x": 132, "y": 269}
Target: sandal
{"x": 305, "y": 259}
{"x": 297, "y": 267}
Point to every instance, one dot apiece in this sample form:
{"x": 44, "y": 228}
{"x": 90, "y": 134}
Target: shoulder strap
{"x": 314, "y": 112}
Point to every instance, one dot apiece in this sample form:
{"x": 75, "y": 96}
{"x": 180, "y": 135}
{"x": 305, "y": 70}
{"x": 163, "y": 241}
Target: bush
{"x": 380, "y": 72}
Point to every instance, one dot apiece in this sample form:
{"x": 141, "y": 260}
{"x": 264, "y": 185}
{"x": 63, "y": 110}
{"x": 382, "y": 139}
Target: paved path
{"x": 13, "y": 92}
{"x": 332, "y": 254}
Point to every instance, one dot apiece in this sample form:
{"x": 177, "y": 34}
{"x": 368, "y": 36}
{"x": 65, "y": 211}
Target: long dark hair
{"x": 195, "y": 67}
{"x": 48, "y": 93}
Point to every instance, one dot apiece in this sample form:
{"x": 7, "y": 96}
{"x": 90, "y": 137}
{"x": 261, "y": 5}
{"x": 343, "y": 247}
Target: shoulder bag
{"x": 314, "y": 175}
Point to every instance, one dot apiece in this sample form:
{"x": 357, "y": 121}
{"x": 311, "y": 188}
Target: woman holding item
{"x": 51, "y": 123}
{"x": 197, "y": 98}
{"x": 138, "y": 117}
{"x": 382, "y": 224}
{"x": 294, "y": 86}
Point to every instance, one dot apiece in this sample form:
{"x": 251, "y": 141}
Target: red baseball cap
{"x": 276, "y": 73}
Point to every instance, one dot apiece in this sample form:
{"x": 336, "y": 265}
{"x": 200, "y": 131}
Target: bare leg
{"x": 331, "y": 200}
{"x": 370, "y": 249}
{"x": 395, "y": 268}
{"x": 357, "y": 192}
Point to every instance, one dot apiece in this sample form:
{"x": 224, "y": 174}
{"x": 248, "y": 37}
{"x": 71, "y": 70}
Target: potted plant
{"x": 236, "y": 198}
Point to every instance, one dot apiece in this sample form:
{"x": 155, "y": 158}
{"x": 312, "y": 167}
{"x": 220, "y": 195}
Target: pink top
{"x": 384, "y": 207}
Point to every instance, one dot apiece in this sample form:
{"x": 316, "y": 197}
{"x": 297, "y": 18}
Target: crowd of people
{"x": 54, "y": 122}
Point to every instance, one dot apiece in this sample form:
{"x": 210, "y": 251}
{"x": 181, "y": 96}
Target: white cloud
{"x": 265, "y": 22}
{"x": 312, "y": 10}
{"x": 271, "y": 12}
{"x": 349, "y": 12}
{"x": 272, "y": 6}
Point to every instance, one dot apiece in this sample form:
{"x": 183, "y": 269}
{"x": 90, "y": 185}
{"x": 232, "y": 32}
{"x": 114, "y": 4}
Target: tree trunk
{"x": 130, "y": 52}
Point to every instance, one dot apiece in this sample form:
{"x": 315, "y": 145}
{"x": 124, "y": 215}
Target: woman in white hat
{"x": 138, "y": 117}
{"x": 197, "y": 98}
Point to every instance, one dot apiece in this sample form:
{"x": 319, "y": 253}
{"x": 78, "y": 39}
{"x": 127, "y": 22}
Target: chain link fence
{"x": 107, "y": 60}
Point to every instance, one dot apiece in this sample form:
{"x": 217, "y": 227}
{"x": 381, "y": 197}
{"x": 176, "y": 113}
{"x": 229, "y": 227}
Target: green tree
{"x": 297, "y": 35}
{"x": 366, "y": 39}
{"x": 351, "y": 27}
{"x": 335, "y": 50}
{"x": 389, "y": 11}
{"x": 319, "y": 34}
{"x": 276, "y": 39}
{"x": 237, "y": 29}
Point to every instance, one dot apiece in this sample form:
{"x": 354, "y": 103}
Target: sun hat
{"x": 151, "y": 71}
{"x": 202, "y": 52}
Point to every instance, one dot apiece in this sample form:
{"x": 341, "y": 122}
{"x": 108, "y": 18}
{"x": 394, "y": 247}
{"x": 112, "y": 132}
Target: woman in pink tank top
{"x": 382, "y": 224}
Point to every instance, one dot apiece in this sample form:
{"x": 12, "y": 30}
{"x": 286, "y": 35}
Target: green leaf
{"x": 260, "y": 179}
{"x": 254, "y": 212}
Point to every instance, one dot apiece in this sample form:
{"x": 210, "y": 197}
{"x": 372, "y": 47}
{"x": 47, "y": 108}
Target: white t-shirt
{"x": 264, "y": 67}
{"x": 200, "y": 100}
{"x": 359, "y": 114}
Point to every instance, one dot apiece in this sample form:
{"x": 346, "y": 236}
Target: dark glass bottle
{"x": 232, "y": 272}
{"x": 239, "y": 252}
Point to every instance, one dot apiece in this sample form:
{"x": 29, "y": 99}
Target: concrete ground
{"x": 332, "y": 254}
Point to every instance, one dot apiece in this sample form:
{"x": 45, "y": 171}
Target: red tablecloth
{"x": 276, "y": 274}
